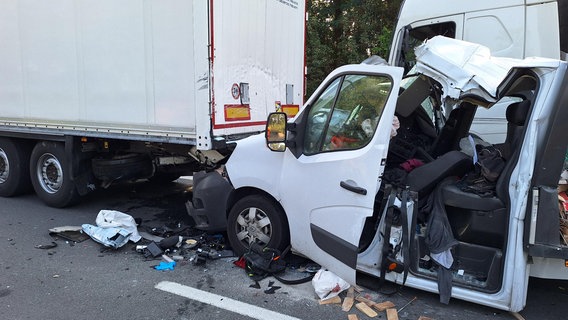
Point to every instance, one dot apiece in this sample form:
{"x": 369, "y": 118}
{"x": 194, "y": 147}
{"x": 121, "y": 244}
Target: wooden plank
{"x": 382, "y": 306}
{"x": 392, "y": 314}
{"x": 349, "y": 300}
{"x": 368, "y": 302}
{"x": 363, "y": 307}
{"x": 334, "y": 300}
{"x": 352, "y": 317}
{"x": 358, "y": 289}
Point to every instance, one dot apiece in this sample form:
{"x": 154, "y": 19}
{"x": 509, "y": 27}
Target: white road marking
{"x": 221, "y": 301}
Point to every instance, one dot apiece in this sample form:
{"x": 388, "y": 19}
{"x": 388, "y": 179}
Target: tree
{"x": 346, "y": 31}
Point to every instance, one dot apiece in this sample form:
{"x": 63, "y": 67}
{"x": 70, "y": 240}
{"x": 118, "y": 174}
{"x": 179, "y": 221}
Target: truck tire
{"x": 14, "y": 167}
{"x": 125, "y": 167}
{"x": 50, "y": 179}
{"x": 256, "y": 219}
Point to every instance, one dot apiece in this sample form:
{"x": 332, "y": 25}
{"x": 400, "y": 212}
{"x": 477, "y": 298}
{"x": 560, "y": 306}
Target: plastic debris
{"x": 152, "y": 250}
{"x": 71, "y": 233}
{"x": 328, "y": 285}
{"x": 46, "y": 246}
{"x": 110, "y": 237}
{"x": 165, "y": 266}
{"x": 117, "y": 219}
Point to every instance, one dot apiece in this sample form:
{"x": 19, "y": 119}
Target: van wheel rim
{"x": 49, "y": 173}
{"x": 4, "y": 167}
{"x": 253, "y": 226}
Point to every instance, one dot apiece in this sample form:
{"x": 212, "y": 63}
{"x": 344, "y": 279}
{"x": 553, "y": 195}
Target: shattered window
{"x": 346, "y": 115}
{"x": 416, "y": 37}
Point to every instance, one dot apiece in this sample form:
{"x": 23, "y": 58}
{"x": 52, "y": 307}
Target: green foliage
{"x": 346, "y": 31}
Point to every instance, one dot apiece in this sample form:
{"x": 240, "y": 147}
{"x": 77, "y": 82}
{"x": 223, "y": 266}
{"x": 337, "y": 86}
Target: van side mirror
{"x": 276, "y": 133}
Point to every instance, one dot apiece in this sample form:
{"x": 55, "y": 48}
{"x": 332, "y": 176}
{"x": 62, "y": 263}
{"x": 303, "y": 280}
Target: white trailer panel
{"x": 265, "y": 45}
{"x": 149, "y": 69}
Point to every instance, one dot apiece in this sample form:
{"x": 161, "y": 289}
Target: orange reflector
{"x": 237, "y": 112}
{"x": 290, "y": 109}
{"x": 392, "y": 266}
{"x": 566, "y": 263}
{"x": 83, "y": 139}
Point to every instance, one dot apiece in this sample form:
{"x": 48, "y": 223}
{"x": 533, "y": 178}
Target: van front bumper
{"x": 209, "y": 204}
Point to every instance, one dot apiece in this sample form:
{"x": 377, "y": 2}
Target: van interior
{"x": 432, "y": 155}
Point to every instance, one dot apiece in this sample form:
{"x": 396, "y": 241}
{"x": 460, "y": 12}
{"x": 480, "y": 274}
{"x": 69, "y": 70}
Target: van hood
{"x": 465, "y": 68}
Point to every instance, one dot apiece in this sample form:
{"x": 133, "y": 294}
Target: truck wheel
{"x": 50, "y": 179}
{"x": 14, "y": 167}
{"x": 256, "y": 219}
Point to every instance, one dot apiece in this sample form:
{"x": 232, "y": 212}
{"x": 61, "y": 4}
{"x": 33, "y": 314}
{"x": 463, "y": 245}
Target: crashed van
{"x": 379, "y": 176}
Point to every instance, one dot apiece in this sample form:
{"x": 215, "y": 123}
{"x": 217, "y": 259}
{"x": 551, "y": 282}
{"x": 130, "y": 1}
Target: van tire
{"x": 257, "y": 219}
{"x": 14, "y": 167}
{"x": 50, "y": 177}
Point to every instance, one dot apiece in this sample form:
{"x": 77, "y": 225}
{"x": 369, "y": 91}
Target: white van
{"x": 329, "y": 182}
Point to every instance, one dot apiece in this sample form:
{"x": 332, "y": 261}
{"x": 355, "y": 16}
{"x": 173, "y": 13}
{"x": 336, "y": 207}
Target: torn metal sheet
{"x": 465, "y": 68}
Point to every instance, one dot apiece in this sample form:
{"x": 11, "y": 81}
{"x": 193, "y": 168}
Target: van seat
{"x": 425, "y": 178}
{"x": 455, "y": 197}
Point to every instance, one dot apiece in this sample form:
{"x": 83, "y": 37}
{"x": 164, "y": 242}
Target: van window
{"x": 346, "y": 114}
{"x": 416, "y": 37}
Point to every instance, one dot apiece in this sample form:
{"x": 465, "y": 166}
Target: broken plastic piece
{"x": 272, "y": 289}
{"x": 71, "y": 233}
{"x": 170, "y": 242}
{"x": 165, "y": 265}
{"x": 117, "y": 219}
{"x": 110, "y": 237}
{"x": 152, "y": 250}
{"x": 328, "y": 285}
{"x": 46, "y": 246}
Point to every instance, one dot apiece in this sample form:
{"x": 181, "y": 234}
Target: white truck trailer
{"x": 92, "y": 92}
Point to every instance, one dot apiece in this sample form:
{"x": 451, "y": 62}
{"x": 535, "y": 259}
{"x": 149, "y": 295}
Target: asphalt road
{"x": 86, "y": 281}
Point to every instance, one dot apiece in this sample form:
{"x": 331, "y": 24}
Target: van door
{"x": 546, "y": 234}
{"x": 330, "y": 178}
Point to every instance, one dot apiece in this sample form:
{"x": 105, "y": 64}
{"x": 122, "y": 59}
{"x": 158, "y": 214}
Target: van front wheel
{"x": 256, "y": 219}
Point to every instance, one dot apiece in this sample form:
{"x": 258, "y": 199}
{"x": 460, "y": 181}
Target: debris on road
{"x": 117, "y": 219}
{"x": 327, "y": 284}
{"x": 165, "y": 265}
{"x": 109, "y": 237}
{"x": 149, "y": 236}
{"x": 349, "y": 299}
{"x": 409, "y": 302}
{"x": 46, "y": 246}
{"x": 71, "y": 233}
{"x": 363, "y": 307}
{"x": 114, "y": 229}
{"x": 392, "y": 314}
{"x": 271, "y": 288}
{"x": 332, "y": 300}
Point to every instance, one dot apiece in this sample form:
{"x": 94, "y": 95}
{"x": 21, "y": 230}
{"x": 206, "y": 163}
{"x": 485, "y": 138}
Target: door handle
{"x": 348, "y": 184}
